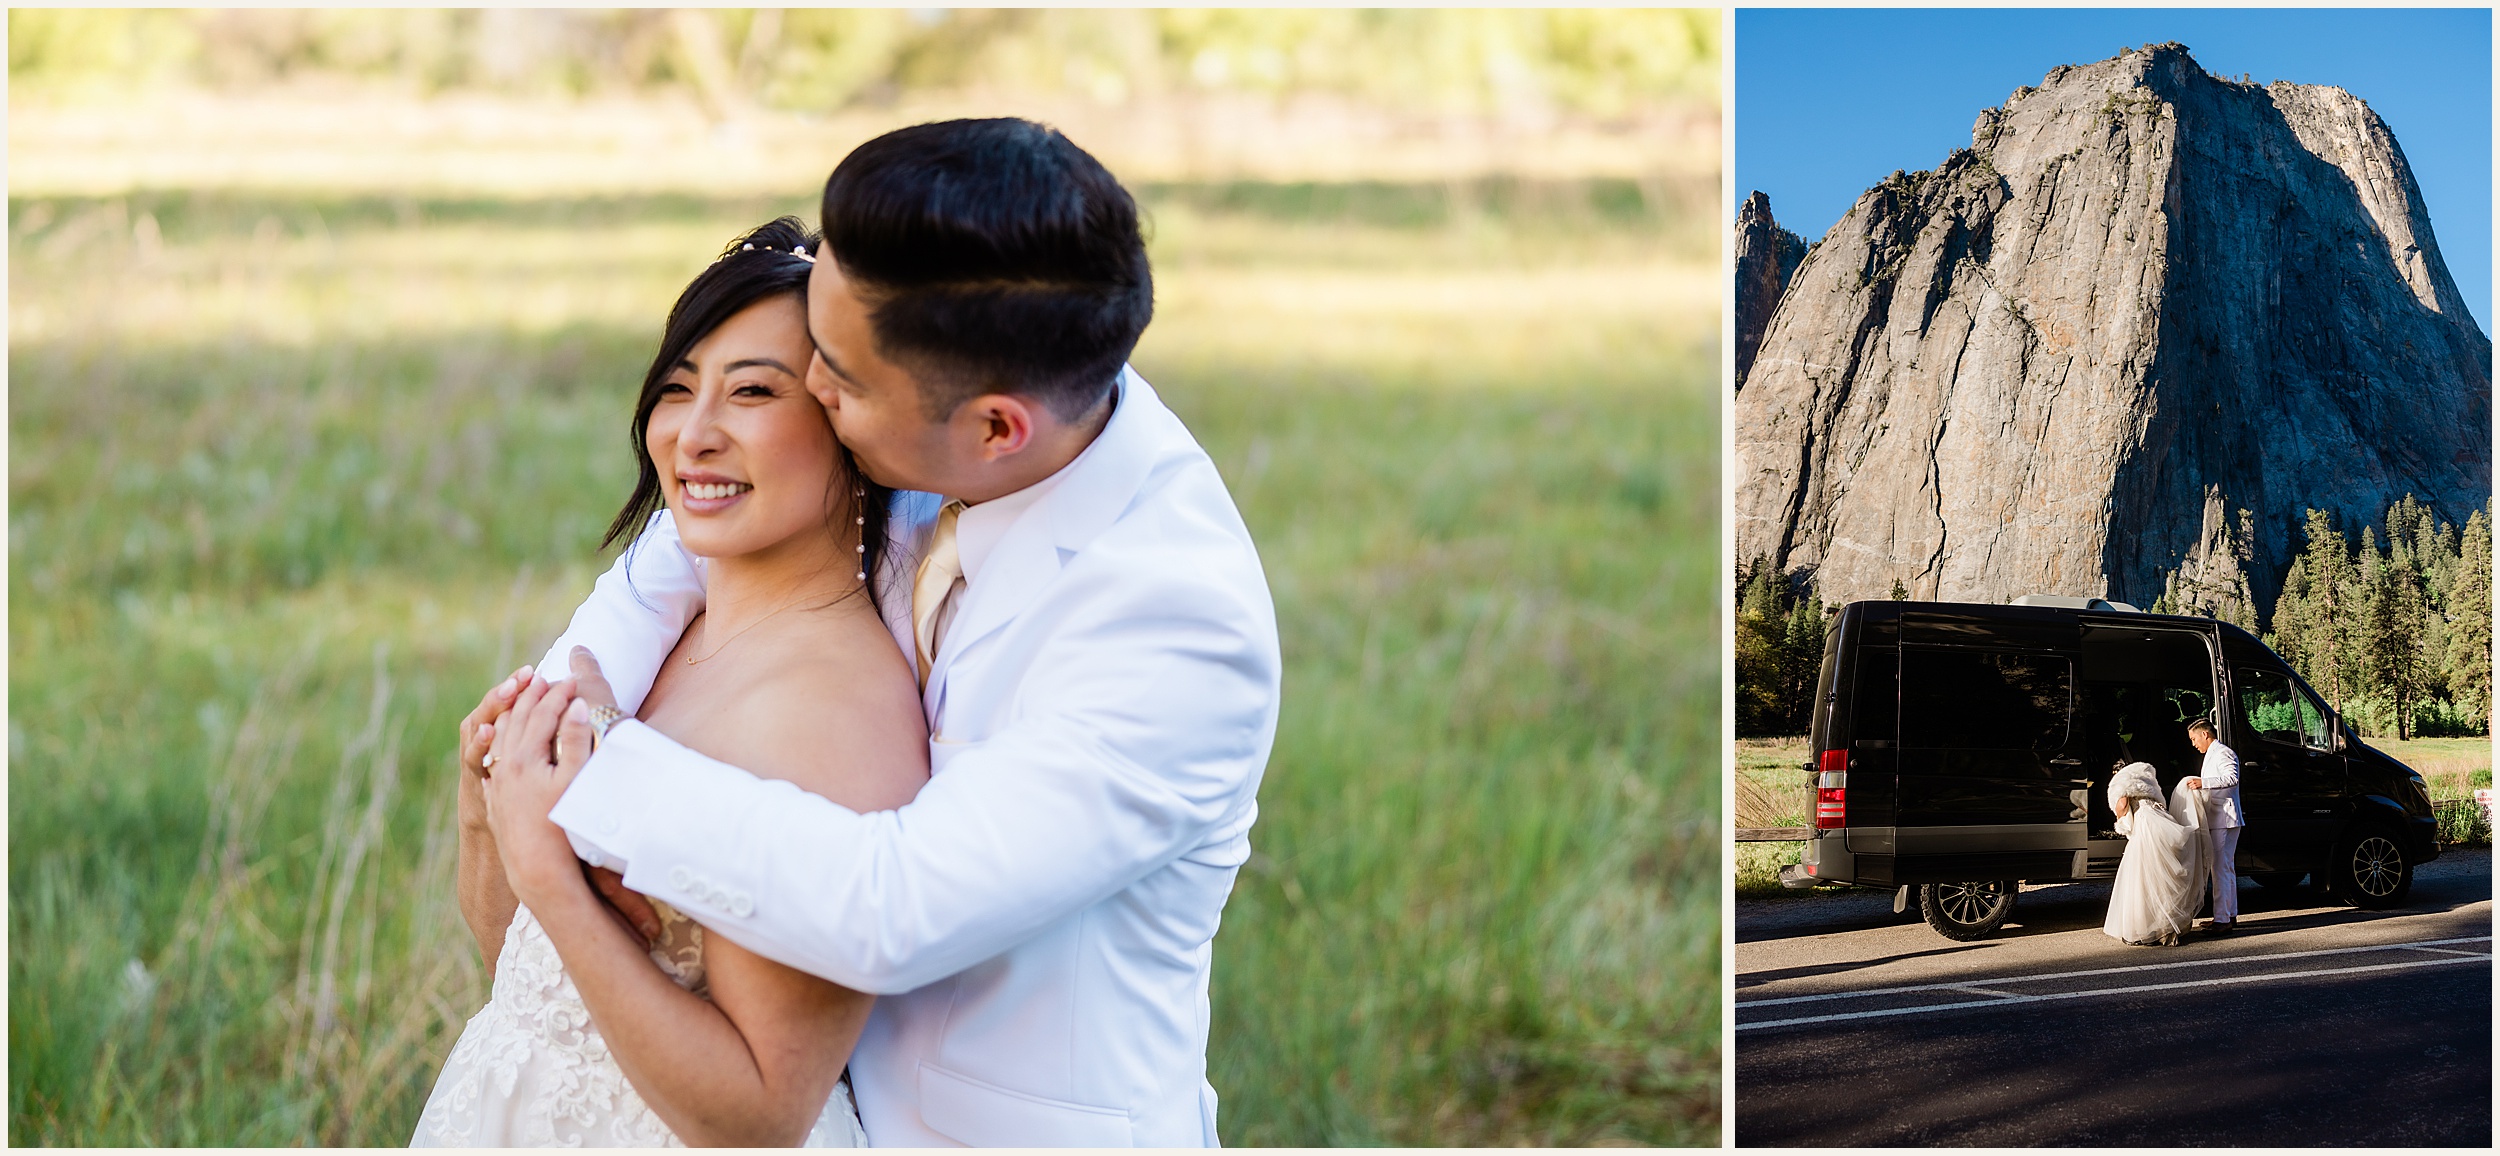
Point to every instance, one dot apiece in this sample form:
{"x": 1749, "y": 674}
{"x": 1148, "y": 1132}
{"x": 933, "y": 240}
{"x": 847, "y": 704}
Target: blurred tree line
{"x": 2394, "y": 631}
{"x": 1601, "y": 63}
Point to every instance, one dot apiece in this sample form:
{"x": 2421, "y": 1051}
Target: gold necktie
{"x": 939, "y": 571}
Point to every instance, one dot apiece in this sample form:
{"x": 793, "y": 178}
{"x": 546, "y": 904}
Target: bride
{"x": 602, "y": 1033}
{"x": 2161, "y": 878}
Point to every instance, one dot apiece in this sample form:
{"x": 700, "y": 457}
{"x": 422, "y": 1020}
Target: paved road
{"x": 2316, "y": 1024}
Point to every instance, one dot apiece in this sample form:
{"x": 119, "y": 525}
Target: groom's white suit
{"x": 1040, "y": 919}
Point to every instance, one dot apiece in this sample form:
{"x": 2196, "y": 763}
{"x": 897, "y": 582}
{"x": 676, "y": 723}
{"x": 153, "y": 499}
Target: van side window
{"x": 1979, "y": 700}
{"x": 2314, "y": 731}
{"x": 2266, "y": 707}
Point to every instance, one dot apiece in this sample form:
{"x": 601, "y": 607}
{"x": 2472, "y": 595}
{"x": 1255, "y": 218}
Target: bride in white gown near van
{"x": 2162, "y": 877}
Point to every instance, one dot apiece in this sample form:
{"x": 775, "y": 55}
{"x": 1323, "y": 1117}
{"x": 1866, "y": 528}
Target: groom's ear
{"x": 1003, "y": 422}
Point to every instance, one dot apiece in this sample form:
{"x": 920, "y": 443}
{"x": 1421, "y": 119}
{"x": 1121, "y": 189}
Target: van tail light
{"x": 1831, "y": 791}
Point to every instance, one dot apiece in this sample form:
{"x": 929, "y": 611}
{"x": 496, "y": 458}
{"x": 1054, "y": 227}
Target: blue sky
{"x": 1830, "y": 101}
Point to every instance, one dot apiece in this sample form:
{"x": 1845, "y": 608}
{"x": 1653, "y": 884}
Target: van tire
{"x": 1967, "y": 911}
{"x": 2369, "y": 870}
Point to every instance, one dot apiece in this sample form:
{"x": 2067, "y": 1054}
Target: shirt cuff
{"x": 597, "y": 809}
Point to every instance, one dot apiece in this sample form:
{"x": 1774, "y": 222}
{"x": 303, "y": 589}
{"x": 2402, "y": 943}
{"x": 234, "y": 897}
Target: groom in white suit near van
{"x": 2219, "y": 779}
{"x": 1097, "y": 649}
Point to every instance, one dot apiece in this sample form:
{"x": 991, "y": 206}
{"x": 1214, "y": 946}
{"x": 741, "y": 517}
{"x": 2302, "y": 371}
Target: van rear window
{"x": 1983, "y": 700}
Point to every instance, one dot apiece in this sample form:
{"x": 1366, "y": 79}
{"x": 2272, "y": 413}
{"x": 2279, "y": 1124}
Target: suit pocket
{"x": 985, "y": 1115}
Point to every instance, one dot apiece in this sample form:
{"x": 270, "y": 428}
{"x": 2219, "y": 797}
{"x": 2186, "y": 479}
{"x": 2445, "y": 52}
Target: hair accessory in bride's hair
{"x": 800, "y": 252}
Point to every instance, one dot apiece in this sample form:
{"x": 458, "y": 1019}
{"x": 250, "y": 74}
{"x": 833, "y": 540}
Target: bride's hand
{"x": 478, "y": 729}
{"x": 538, "y": 749}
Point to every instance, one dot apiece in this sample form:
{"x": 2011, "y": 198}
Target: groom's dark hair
{"x": 995, "y": 256}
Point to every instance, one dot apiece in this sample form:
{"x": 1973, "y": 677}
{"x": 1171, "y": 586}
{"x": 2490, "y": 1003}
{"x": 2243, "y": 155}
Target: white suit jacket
{"x": 1040, "y": 919}
{"x": 2221, "y": 774}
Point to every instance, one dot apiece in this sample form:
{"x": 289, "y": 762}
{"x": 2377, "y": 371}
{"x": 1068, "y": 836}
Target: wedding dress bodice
{"x": 531, "y": 1069}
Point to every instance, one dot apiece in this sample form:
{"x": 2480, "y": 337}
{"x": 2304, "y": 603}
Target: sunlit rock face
{"x": 2144, "y": 299}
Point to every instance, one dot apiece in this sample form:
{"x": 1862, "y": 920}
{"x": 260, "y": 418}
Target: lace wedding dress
{"x": 531, "y": 1070}
{"x": 2162, "y": 876}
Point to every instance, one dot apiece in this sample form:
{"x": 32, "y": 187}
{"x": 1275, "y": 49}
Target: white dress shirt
{"x": 977, "y": 531}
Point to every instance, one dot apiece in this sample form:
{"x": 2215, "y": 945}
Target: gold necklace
{"x": 692, "y": 660}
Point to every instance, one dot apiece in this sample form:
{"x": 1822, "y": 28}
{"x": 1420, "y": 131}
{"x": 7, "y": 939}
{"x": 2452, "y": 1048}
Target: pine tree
{"x": 2390, "y": 666}
{"x": 2328, "y": 639}
{"x": 2288, "y": 626}
{"x": 1801, "y": 661}
{"x": 2467, "y": 657}
{"x": 1762, "y": 675}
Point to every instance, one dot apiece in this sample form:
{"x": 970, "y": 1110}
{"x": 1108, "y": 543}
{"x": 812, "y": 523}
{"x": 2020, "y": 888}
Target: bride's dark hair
{"x": 769, "y": 261}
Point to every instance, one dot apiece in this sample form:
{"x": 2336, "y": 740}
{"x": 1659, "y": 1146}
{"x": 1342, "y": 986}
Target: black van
{"x": 1960, "y": 749}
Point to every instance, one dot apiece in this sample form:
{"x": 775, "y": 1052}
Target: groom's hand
{"x": 2193, "y": 783}
{"x": 629, "y": 906}
{"x": 589, "y": 685}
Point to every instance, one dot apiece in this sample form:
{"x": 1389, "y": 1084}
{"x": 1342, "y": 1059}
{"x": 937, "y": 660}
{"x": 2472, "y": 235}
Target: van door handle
{"x": 2066, "y": 762}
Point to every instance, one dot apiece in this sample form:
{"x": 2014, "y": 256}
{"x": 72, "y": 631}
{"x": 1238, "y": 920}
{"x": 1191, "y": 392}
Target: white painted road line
{"x": 2421, "y": 945}
{"x": 2063, "y": 995}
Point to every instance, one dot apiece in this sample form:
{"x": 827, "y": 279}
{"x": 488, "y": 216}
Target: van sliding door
{"x": 1987, "y": 781}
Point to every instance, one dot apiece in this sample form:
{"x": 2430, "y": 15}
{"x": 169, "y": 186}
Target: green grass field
{"x": 292, "y": 479}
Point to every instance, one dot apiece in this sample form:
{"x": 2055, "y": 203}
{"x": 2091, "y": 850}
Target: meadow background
{"x": 323, "y": 331}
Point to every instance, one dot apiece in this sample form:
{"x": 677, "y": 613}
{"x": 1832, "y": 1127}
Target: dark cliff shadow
{"x": 2294, "y": 367}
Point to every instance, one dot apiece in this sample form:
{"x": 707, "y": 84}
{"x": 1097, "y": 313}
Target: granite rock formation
{"x": 1766, "y": 256}
{"x": 2144, "y": 296}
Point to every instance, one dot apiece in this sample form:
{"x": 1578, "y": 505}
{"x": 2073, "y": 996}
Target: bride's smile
{"x": 706, "y": 494}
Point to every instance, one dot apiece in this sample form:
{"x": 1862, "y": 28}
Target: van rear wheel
{"x": 1967, "y": 911}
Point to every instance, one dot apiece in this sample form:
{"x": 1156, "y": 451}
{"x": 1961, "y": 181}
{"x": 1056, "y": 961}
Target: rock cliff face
{"x": 1766, "y": 255}
{"x": 2144, "y": 299}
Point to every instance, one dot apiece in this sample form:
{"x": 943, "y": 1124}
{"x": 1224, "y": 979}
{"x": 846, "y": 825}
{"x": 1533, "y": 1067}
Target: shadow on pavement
{"x": 1753, "y": 978}
{"x": 2456, "y": 879}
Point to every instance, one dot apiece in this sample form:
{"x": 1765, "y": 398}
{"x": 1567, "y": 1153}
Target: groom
{"x": 2219, "y": 779}
{"x": 1097, "y": 653}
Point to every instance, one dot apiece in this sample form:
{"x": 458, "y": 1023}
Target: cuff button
{"x": 680, "y": 878}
